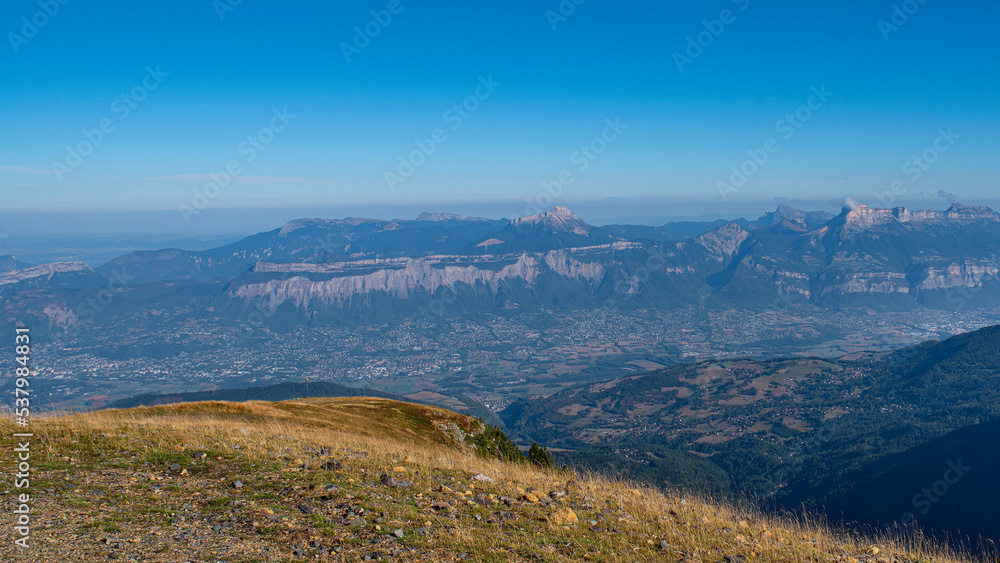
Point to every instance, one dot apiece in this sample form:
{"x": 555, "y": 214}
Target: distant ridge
{"x": 428, "y": 216}
{"x": 277, "y": 392}
{"x": 555, "y": 229}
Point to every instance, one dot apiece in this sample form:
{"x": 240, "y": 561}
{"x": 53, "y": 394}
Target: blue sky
{"x": 221, "y": 80}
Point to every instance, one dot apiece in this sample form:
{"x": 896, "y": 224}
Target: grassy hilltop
{"x": 356, "y": 478}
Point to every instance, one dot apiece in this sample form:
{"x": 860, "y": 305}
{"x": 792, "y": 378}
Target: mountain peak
{"x": 788, "y": 211}
{"x": 554, "y": 229}
{"x": 559, "y": 218}
{"x": 442, "y": 216}
{"x": 790, "y": 216}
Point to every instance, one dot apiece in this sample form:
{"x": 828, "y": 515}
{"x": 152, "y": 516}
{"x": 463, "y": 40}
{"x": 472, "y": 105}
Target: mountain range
{"x": 797, "y": 430}
{"x": 314, "y": 271}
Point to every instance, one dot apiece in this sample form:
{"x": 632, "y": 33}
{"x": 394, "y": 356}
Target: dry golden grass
{"x": 272, "y": 444}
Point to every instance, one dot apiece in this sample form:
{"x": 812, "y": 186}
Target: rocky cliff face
{"x": 965, "y": 274}
{"x": 863, "y": 217}
{"x": 723, "y": 242}
{"x": 403, "y": 277}
{"x": 400, "y": 279}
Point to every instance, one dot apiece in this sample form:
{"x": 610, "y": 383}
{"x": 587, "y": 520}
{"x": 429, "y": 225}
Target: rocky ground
{"x": 115, "y": 490}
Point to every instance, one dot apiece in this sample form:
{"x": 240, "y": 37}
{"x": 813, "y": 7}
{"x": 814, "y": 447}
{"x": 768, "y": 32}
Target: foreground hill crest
{"x": 364, "y": 479}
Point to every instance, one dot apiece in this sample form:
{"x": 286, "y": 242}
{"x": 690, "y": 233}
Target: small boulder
{"x": 564, "y": 517}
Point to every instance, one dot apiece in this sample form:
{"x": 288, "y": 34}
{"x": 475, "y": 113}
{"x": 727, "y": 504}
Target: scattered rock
{"x": 398, "y": 533}
{"x": 237, "y": 484}
{"x": 483, "y": 478}
{"x": 200, "y": 455}
{"x": 664, "y": 545}
{"x": 564, "y": 517}
{"x": 175, "y": 467}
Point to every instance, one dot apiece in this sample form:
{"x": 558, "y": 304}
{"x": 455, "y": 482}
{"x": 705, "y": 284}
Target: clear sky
{"x": 197, "y": 86}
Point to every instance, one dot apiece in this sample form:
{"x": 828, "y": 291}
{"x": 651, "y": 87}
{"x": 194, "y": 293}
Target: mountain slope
{"x": 799, "y": 430}
{"x": 354, "y": 479}
{"x": 8, "y": 263}
{"x": 947, "y": 485}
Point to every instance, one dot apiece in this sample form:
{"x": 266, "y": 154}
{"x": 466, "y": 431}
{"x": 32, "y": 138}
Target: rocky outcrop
{"x": 401, "y": 282}
{"x": 45, "y": 270}
{"x": 560, "y": 262}
{"x": 724, "y": 241}
{"x": 965, "y": 274}
{"x": 863, "y": 217}
{"x": 867, "y": 282}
